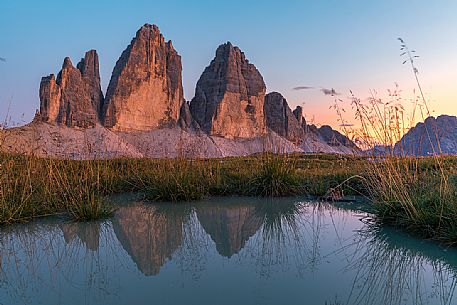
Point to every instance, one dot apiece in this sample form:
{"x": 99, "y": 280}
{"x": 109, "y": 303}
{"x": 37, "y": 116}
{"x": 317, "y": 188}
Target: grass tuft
{"x": 179, "y": 180}
{"x": 275, "y": 176}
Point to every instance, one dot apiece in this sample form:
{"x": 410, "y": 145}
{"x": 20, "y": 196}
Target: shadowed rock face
{"x": 229, "y": 96}
{"x": 149, "y": 237}
{"x": 432, "y": 137}
{"x": 298, "y": 113}
{"x": 186, "y": 121}
{"x": 74, "y": 98}
{"x": 280, "y": 119}
{"x": 229, "y": 226}
{"x": 89, "y": 68}
{"x": 334, "y": 138}
{"x": 145, "y": 91}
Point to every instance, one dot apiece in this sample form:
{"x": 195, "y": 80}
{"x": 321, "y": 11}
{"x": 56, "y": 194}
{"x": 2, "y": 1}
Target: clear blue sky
{"x": 329, "y": 43}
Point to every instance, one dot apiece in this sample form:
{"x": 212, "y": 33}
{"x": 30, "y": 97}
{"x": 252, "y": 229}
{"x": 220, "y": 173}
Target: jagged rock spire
{"x": 229, "y": 96}
{"x": 73, "y": 97}
{"x": 145, "y": 90}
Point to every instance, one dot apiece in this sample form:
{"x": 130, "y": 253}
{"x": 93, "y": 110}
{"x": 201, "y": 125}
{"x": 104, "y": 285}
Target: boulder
{"x": 229, "y": 96}
{"x": 145, "y": 91}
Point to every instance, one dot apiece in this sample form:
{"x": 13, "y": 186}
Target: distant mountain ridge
{"x": 431, "y": 137}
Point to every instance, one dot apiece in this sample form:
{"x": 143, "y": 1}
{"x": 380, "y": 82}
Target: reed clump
{"x": 180, "y": 180}
{"x": 421, "y": 201}
{"x": 31, "y": 187}
{"x": 410, "y": 192}
{"x": 80, "y": 189}
{"x": 17, "y": 193}
{"x": 274, "y": 176}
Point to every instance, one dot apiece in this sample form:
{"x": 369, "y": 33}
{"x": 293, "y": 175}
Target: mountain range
{"x": 144, "y": 114}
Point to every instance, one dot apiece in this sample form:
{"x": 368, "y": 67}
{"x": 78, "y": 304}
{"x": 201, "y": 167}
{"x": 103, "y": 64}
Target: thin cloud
{"x": 303, "y": 88}
{"x": 331, "y": 92}
{"x": 346, "y": 125}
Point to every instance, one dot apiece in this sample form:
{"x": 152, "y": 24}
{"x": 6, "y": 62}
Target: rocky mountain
{"x": 144, "y": 113}
{"x": 145, "y": 91}
{"x": 292, "y": 125}
{"x": 229, "y": 96}
{"x": 89, "y": 68}
{"x": 333, "y": 137}
{"x": 433, "y": 136}
{"x": 280, "y": 118}
{"x": 73, "y": 99}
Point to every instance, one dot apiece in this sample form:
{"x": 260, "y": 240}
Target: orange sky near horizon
{"x": 440, "y": 90}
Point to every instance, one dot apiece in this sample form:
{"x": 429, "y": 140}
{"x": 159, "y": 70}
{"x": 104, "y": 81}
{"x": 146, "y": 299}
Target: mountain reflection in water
{"x": 250, "y": 251}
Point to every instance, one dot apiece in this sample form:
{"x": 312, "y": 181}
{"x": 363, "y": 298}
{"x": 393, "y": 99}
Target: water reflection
{"x": 87, "y": 233}
{"x": 150, "y": 234}
{"x": 230, "y": 224}
{"x": 393, "y": 267}
{"x": 269, "y": 251}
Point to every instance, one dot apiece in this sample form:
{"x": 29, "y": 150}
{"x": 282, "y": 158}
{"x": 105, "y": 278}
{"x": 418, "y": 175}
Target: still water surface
{"x": 223, "y": 251}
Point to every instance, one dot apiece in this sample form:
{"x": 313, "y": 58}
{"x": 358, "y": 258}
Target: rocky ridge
{"x": 431, "y": 137}
{"x": 144, "y": 113}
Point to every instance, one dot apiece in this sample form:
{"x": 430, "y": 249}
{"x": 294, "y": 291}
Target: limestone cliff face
{"x": 229, "y": 226}
{"x": 149, "y": 237}
{"x": 145, "y": 91}
{"x": 298, "y": 113}
{"x": 90, "y": 72}
{"x": 229, "y": 96}
{"x": 280, "y": 118}
{"x": 74, "y": 98}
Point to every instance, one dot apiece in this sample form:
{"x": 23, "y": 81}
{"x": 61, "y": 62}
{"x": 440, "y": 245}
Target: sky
{"x": 345, "y": 45}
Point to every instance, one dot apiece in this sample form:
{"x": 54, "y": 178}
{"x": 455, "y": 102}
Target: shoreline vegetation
{"x": 34, "y": 187}
{"x": 406, "y": 192}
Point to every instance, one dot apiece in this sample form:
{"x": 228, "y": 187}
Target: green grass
{"x": 34, "y": 187}
{"x": 179, "y": 180}
{"x": 409, "y": 193}
{"x": 274, "y": 177}
{"x": 416, "y": 195}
